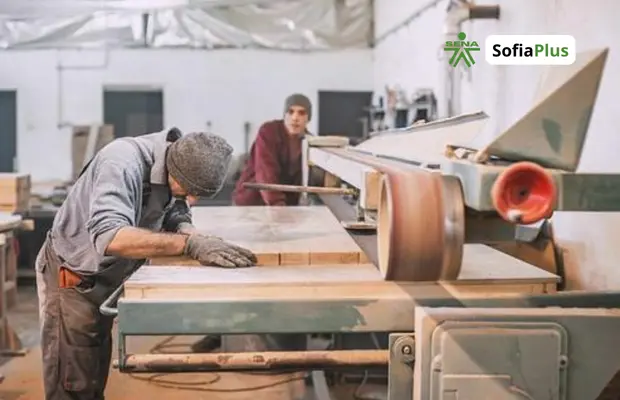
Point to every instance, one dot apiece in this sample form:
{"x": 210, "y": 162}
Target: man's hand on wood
{"x": 213, "y": 251}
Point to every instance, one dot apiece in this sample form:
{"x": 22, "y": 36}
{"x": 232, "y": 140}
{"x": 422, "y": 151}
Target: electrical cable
{"x": 199, "y": 386}
{"x": 357, "y": 395}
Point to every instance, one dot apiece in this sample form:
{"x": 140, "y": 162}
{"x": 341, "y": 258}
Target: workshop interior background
{"x": 227, "y": 66}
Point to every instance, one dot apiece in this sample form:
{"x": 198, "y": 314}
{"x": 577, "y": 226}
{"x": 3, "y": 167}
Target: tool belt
{"x": 95, "y": 288}
{"x": 68, "y": 279}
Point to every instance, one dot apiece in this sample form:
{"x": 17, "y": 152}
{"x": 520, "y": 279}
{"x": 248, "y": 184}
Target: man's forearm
{"x": 136, "y": 243}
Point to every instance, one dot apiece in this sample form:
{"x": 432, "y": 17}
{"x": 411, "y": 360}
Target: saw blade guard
{"x": 524, "y": 193}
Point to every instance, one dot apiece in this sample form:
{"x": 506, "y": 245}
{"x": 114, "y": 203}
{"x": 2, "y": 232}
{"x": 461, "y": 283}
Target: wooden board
{"x": 9, "y": 221}
{"x": 484, "y": 270}
{"x": 304, "y": 235}
{"x": 14, "y": 192}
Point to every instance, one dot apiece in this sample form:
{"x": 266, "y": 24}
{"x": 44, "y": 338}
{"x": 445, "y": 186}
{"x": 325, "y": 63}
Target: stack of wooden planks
{"x": 9, "y": 341}
{"x": 14, "y": 192}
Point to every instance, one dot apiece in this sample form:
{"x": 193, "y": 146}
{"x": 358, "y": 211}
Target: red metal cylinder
{"x": 524, "y": 193}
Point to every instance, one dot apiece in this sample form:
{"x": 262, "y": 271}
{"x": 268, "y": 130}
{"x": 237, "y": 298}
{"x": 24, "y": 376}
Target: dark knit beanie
{"x": 199, "y": 162}
{"x": 299, "y": 100}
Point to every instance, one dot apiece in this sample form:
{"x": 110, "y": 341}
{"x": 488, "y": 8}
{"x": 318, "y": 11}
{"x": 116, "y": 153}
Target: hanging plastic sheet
{"x": 274, "y": 24}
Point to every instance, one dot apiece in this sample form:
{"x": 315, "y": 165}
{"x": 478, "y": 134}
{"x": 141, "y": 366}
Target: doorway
{"x": 8, "y": 130}
{"x": 133, "y": 112}
{"x": 342, "y": 112}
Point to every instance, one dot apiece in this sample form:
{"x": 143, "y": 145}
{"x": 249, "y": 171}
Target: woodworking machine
{"x": 430, "y": 189}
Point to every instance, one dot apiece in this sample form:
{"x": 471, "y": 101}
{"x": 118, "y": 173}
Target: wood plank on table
{"x": 484, "y": 264}
{"x": 301, "y": 235}
{"x": 485, "y": 270}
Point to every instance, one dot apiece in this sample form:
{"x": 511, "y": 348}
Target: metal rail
{"x": 299, "y": 189}
{"x": 253, "y": 361}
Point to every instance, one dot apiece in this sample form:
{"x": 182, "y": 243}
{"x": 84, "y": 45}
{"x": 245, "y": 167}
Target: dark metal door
{"x": 133, "y": 113}
{"x": 341, "y": 112}
{"x": 8, "y": 130}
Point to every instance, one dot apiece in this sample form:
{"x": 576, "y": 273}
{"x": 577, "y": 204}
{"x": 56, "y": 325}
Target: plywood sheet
{"x": 483, "y": 268}
{"x": 426, "y": 143}
{"x": 482, "y": 263}
{"x": 304, "y": 235}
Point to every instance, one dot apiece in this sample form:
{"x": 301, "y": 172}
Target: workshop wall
{"x": 226, "y": 88}
{"x": 412, "y": 58}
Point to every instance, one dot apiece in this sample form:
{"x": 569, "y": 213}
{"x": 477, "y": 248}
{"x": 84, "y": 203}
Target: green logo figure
{"x": 461, "y": 50}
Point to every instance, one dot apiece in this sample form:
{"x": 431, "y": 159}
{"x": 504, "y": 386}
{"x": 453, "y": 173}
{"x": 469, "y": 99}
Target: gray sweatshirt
{"x": 126, "y": 184}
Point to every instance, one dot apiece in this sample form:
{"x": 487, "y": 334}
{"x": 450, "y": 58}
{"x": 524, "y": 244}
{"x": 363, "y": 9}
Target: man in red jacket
{"x": 275, "y": 157}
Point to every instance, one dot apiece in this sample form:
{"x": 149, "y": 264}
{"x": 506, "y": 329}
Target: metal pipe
{"x": 460, "y": 11}
{"x": 60, "y": 69}
{"x": 246, "y": 136}
{"x": 483, "y": 12}
{"x": 298, "y": 189}
{"x": 106, "y": 307}
{"x": 252, "y": 361}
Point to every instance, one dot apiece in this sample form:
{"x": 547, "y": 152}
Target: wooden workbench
{"x": 8, "y": 278}
{"x": 8, "y": 257}
{"x": 306, "y": 255}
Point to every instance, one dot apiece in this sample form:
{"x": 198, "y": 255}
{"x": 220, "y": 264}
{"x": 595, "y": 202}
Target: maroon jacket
{"x": 275, "y": 157}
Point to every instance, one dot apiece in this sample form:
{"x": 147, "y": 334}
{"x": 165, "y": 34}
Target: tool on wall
{"x": 401, "y": 111}
{"x": 247, "y": 127}
{"x": 375, "y": 119}
{"x": 423, "y": 105}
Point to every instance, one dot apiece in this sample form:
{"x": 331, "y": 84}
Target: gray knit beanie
{"x": 300, "y": 100}
{"x": 199, "y": 162}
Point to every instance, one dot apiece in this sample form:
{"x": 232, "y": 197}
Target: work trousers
{"x": 76, "y": 339}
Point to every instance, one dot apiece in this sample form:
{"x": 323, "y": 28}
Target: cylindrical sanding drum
{"x": 420, "y": 226}
{"x": 420, "y": 222}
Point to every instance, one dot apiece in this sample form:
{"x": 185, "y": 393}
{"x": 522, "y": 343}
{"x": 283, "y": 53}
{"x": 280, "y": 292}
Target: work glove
{"x": 213, "y": 251}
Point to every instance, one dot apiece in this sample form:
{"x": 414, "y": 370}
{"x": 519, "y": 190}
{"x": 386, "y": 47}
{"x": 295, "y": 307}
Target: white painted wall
{"x": 231, "y": 87}
{"x": 410, "y": 58}
{"x": 227, "y": 88}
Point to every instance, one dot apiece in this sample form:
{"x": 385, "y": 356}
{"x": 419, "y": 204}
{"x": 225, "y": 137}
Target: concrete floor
{"x": 23, "y": 374}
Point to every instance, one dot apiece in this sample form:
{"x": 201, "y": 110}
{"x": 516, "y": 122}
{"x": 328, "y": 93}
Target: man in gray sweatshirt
{"x": 130, "y": 203}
